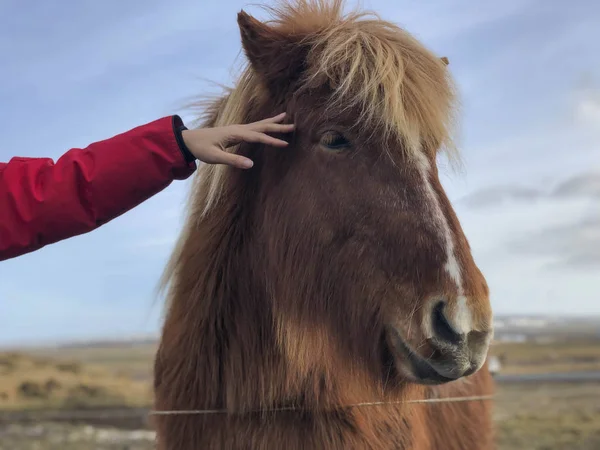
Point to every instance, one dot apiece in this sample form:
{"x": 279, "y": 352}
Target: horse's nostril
{"x": 441, "y": 326}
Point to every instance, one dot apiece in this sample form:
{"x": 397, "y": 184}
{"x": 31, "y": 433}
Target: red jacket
{"x": 42, "y": 202}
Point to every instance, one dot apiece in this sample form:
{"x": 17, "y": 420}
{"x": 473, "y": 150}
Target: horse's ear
{"x": 272, "y": 53}
{"x": 445, "y": 60}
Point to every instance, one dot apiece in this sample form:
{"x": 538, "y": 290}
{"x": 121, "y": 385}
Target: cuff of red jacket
{"x": 188, "y": 157}
{"x": 178, "y": 128}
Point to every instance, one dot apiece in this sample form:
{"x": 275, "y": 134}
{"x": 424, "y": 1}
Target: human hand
{"x": 209, "y": 144}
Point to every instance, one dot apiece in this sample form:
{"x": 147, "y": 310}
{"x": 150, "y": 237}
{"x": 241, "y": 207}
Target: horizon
{"x": 528, "y": 198}
{"x": 154, "y": 337}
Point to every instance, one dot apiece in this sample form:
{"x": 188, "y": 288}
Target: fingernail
{"x": 247, "y": 163}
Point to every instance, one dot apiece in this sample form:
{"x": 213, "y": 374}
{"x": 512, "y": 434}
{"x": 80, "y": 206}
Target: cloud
{"x": 537, "y": 258}
{"x": 583, "y": 185}
{"x": 500, "y": 195}
{"x": 587, "y": 103}
{"x": 573, "y": 246}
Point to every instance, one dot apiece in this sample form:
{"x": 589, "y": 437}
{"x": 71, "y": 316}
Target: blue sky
{"x": 528, "y": 195}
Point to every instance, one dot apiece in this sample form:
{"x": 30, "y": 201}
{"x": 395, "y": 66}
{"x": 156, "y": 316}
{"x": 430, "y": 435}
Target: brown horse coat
{"x": 335, "y": 271}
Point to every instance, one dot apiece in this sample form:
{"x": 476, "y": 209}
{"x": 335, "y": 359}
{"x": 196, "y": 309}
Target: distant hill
{"x": 546, "y": 328}
{"x": 507, "y": 327}
{"x": 113, "y": 343}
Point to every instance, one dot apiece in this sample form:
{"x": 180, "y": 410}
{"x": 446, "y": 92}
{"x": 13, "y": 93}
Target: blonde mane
{"x": 398, "y": 86}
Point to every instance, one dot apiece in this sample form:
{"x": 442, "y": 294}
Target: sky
{"x": 527, "y": 195}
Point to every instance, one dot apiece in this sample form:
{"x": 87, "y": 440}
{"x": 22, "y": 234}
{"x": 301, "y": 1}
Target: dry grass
{"x": 64, "y": 436}
{"x": 531, "y": 357}
{"x": 134, "y": 361}
{"x": 528, "y": 417}
{"x": 121, "y": 374}
{"x": 39, "y": 382}
{"x": 531, "y": 416}
{"x": 548, "y": 416}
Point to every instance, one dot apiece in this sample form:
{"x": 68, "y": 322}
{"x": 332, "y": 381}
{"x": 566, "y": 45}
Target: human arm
{"x": 42, "y": 201}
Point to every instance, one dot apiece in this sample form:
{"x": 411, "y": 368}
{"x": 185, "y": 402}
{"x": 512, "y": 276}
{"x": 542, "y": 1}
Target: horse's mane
{"x": 398, "y": 86}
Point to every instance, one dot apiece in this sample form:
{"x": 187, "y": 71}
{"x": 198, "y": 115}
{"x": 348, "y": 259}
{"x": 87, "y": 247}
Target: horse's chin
{"x": 412, "y": 366}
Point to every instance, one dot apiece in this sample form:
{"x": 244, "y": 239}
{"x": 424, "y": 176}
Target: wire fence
{"x": 142, "y": 416}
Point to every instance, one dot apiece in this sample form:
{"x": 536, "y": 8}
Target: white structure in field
{"x": 494, "y": 365}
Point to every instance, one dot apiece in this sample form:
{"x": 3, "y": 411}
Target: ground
{"x": 29, "y": 382}
{"x": 548, "y": 416}
{"x": 532, "y": 416}
{"x": 563, "y": 356}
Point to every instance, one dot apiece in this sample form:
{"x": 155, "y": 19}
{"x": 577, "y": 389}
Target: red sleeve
{"x": 42, "y": 202}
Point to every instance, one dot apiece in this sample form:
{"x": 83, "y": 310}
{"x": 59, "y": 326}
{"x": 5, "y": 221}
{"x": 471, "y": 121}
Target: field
{"x": 536, "y": 416}
{"x": 548, "y": 416}
{"x": 564, "y": 356}
{"x": 42, "y": 382}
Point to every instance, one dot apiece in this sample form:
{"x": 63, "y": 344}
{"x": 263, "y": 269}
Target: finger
{"x": 231, "y": 159}
{"x": 251, "y": 136}
{"x": 273, "y": 127}
{"x": 275, "y": 119}
{"x": 255, "y": 136}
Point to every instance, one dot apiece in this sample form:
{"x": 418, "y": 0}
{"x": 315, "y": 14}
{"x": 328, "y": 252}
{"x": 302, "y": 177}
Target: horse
{"x": 323, "y": 298}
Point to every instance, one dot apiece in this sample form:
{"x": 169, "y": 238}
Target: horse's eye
{"x": 333, "y": 140}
